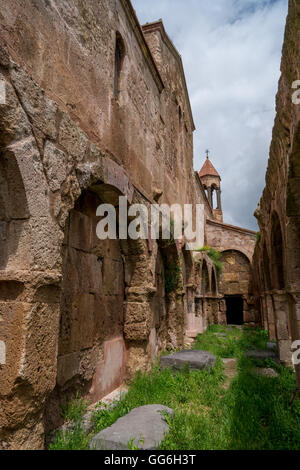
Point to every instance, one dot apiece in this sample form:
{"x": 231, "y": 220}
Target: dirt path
{"x": 230, "y": 371}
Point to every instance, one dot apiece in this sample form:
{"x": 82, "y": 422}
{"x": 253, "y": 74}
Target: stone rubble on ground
{"x": 110, "y": 401}
{"x": 196, "y": 360}
{"x": 143, "y": 428}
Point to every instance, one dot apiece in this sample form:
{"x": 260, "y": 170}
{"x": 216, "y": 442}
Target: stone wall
{"x": 277, "y": 256}
{"x": 237, "y": 247}
{"x": 77, "y": 313}
{"x": 227, "y": 237}
{"x": 236, "y": 281}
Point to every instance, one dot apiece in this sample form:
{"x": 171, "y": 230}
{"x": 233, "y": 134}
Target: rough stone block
{"x": 55, "y": 165}
{"x": 109, "y": 373}
{"x": 14, "y": 123}
{"x": 37, "y": 105}
{"x": 196, "y": 360}
{"x": 144, "y": 428}
{"x": 72, "y": 138}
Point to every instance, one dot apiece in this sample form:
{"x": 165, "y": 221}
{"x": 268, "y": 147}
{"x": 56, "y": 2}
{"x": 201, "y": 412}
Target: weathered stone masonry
{"x": 77, "y": 313}
{"x": 277, "y": 255}
{"x": 97, "y": 107}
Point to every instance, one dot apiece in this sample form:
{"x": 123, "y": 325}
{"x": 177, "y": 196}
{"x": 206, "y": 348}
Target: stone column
{"x": 294, "y": 305}
{"x": 282, "y": 327}
{"x": 210, "y": 198}
{"x": 271, "y": 319}
{"x": 219, "y": 206}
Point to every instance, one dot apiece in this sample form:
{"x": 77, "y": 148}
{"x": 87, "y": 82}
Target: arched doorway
{"x": 234, "y": 310}
{"x": 235, "y": 284}
{"x": 91, "y": 347}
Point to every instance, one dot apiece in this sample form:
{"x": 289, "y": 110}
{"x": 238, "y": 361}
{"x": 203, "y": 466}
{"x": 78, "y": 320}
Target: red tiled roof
{"x": 208, "y": 169}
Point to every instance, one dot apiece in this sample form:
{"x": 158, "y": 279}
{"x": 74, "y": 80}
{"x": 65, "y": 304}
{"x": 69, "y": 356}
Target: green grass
{"x": 75, "y": 409}
{"x": 75, "y": 439}
{"x": 254, "y": 413}
{"x": 234, "y": 344}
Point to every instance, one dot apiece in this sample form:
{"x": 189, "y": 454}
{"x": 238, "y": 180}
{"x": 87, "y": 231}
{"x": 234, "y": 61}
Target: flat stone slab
{"x": 262, "y": 355}
{"x": 266, "y": 373}
{"x": 143, "y": 428}
{"x": 196, "y": 360}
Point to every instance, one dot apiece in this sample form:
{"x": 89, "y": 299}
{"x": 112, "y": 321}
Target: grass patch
{"x": 75, "y": 439}
{"x": 230, "y": 342}
{"x": 75, "y": 409}
{"x": 253, "y": 414}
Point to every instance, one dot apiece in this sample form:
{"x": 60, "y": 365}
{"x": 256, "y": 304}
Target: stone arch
{"x": 277, "y": 258}
{"x": 236, "y": 273}
{"x": 205, "y": 279}
{"x": 106, "y": 295}
{"x": 236, "y": 286}
{"x": 91, "y": 310}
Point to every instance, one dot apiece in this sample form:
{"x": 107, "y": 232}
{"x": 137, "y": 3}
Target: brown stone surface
{"x": 277, "y": 255}
{"x": 78, "y": 314}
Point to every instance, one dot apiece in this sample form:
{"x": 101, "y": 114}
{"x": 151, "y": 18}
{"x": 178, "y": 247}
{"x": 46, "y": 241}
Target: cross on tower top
{"x": 207, "y": 153}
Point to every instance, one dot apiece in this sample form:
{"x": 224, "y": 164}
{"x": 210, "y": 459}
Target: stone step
{"x": 143, "y": 428}
{"x": 196, "y": 360}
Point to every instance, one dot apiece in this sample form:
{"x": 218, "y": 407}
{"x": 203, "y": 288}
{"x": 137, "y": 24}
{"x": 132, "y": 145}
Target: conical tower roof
{"x": 208, "y": 169}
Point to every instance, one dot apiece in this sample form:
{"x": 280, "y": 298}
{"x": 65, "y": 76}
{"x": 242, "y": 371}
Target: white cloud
{"x": 231, "y": 51}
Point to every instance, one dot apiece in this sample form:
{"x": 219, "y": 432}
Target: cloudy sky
{"x": 231, "y": 52}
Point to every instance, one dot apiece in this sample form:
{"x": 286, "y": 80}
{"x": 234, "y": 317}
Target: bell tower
{"x": 211, "y": 181}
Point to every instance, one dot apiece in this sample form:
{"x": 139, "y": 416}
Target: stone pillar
{"x": 210, "y": 198}
{"x": 219, "y": 206}
{"x": 222, "y": 320}
{"x": 270, "y": 314}
{"x": 264, "y": 312}
{"x": 294, "y": 305}
{"x": 281, "y": 307}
